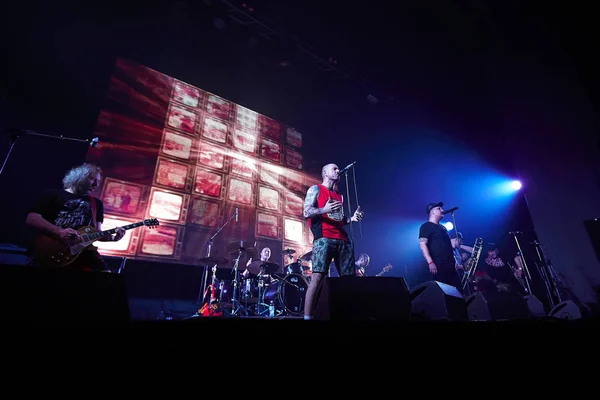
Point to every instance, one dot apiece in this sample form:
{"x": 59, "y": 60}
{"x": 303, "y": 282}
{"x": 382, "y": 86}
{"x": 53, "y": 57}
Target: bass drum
{"x": 287, "y": 294}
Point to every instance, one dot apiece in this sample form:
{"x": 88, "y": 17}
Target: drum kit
{"x": 254, "y": 287}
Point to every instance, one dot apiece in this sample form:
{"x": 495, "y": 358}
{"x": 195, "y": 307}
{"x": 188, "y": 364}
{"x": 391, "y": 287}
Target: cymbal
{"x": 289, "y": 251}
{"x": 306, "y": 257}
{"x": 242, "y": 245}
{"x": 213, "y": 260}
{"x": 266, "y": 267}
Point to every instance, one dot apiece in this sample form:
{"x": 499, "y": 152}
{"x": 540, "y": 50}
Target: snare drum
{"x": 287, "y": 294}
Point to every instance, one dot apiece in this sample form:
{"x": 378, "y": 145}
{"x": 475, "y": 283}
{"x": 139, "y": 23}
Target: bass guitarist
{"x": 60, "y": 213}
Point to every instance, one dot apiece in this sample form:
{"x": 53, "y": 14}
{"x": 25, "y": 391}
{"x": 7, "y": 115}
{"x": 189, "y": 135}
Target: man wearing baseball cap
{"x": 437, "y": 248}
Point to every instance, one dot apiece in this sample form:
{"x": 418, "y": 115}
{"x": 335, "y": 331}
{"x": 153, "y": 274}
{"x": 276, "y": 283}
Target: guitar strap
{"x": 93, "y": 204}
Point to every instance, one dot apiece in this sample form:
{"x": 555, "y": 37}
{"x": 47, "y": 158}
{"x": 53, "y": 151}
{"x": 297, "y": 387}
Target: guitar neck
{"x": 90, "y": 237}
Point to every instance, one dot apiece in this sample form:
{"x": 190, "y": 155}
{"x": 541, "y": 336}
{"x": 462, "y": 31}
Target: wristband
{"x": 430, "y": 263}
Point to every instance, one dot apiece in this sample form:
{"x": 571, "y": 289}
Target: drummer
{"x": 265, "y": 255}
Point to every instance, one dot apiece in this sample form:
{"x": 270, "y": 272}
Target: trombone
{"x": 471, "y": 264}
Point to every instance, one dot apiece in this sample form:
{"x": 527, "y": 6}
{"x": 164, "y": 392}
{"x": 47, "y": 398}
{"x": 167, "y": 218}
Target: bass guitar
{"x": 50, "y": 251}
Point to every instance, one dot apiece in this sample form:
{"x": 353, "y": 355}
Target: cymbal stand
{"x": 526, "y": 274}
{"x": 236, "y": 305}
{"x": 208, "y": 246}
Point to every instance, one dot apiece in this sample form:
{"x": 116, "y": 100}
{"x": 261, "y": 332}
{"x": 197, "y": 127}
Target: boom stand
{"x": 458, "y": 260}
{"x": 526, "y": 273}
{"x": 14, "y": 135}
{"x": 549, "y": 275}
{"x": 208, "y": 246}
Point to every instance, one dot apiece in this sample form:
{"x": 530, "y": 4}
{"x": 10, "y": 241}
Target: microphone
{"x": 514, "y": 233}
{"x": 450, "y": 210}
{"x": 346, "y": 168}
{"x": 94, "y": 142}
{"x": 236, "y": 214}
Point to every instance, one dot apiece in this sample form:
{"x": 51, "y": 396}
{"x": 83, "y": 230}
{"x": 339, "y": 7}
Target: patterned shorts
{"x": 339, "y": 251}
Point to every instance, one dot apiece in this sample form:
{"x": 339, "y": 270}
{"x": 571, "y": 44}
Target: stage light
{"x": 449, "y": 225}
{"x": 515, "y": 185}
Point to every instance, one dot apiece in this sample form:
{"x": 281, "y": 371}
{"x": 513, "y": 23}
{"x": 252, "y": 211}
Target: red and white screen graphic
{"x": 172, "y": 174}
{"x": 211, "y": 156}
{"x": 188, "y": 95}
{"x": 177, "y": 145}
{"x": 165, "y": 205}
{"x": 246, "y": 118}
{"x": 267, "y": 225}
{"x": 214, "y": 129}
{"x": 218, "y": 108}
{"x": 244, "y": 140}
{"x": 292, "y": 230}
{"x": 270, "y": 150}
{"x": 270, "y": 174}
{"x": 243, "y": 165}
{"x": 269, "y": 128}
{"x": 121, "y": 197}
{"x": 240, "y": 191}
{"x": 182, "y": 118}
{"x": 293, "y": 180}
{"x": 208, "y": 183}
{"x": 293, "y": 204}
{"x": 268, "y": 198}
{"x": 293, "y": 159}
{"x": 123, "y": 245}
{"x": 204, "y": 212}
{"x": 294, "y": 138}
{"x": 160, "y": 241}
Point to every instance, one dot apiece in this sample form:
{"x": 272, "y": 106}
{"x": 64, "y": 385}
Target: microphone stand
{"x": 348, "y": 197}
{"x": 549, "y": 275}
{"x": 526, "y": 273}
{"x": 208, "y": 246}
{"x": 14, "y": 135}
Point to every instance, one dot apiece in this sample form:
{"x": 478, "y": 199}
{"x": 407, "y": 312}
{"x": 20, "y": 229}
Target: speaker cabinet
{"x": 351, "y": 298}
{"x": 566, "y": 310}
{"x": 536, "y": 307}
{"x": 433, "y": 300}
{"x": 497, "y": 306}
{"x": 30, "y": 293}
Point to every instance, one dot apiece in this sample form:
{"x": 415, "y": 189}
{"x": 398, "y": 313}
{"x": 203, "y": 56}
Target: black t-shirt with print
{"x": 438, "y": 243}
{"x": 67, "y": 210}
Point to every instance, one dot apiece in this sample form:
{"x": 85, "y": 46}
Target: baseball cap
{"x": 430, "y": 206}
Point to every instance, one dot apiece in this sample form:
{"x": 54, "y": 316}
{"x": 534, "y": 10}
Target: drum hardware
{"x": 236, "y": 305}
{"x": 284, "y": 299}
{"x": 208, "y": 246}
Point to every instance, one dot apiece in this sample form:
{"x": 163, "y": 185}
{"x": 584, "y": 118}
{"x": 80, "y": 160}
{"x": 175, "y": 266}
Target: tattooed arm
{"x": 310, "y": 202}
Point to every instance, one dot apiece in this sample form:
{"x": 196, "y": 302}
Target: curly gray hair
{"x": 78, "y": 176}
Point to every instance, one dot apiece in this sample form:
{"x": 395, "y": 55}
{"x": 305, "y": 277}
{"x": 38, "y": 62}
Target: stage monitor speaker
{"x": 433, "y": 300}
{"x": 566, "y": 310}
{"x": 352, "y": 298}
{"x": 536, "y": 307}
{"x": 497, "y": 306}
{"x": 37, "y": 294}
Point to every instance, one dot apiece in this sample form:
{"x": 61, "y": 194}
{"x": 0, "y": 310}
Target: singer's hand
{"x": 332, "y": 206}
{"x": 433, "y": 269}
{"x": 358, "y": 215}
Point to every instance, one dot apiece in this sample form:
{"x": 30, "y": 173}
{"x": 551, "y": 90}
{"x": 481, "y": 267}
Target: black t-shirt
{"x": 67, "y": 210}
{"x": 438, "y": 243}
